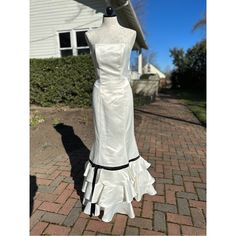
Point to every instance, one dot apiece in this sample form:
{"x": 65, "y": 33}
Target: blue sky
{"x": 168, "y": 24}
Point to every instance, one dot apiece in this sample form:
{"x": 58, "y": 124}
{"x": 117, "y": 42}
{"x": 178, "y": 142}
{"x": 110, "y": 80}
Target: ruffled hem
{"x": 115, "y": 190}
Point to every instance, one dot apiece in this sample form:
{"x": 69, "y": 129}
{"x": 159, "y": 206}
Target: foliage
{"x": 200, "y": 23}
{"x": 56, "y": 121}
{"x": 140, "y": 100}
{"x": 190, "y": 71}
{"x": 145, "y": 76}
{"x": 35, "y": 120}
{"x": 147, "y": 57}
{"x": 66, "y": 80}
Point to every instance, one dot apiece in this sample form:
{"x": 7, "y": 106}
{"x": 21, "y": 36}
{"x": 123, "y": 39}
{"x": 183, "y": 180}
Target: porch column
{"x": 140, "y": 59}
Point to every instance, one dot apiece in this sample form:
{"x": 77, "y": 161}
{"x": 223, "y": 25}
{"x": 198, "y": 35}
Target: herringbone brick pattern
{"x": 173, "y": 141}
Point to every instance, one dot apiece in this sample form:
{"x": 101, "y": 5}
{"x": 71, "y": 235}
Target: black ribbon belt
{"x": 92, "y": 210}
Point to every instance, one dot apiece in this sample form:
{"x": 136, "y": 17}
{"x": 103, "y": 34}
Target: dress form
{"x": 110, "y": 32}
{"x": 115, "y": 173}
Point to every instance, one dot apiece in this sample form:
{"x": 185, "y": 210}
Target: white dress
{"x": 115, "y": 172}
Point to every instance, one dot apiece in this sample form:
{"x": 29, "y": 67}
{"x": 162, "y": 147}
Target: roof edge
{"x": 139, "y": 25}
{"x": 135, "y": 24}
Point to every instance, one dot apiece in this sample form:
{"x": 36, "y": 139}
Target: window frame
{"x": 73, "y": 41}
{"x": 58, "y": 41}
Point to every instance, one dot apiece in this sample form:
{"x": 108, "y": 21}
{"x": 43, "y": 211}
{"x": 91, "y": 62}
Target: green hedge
{"x": 140, "y": 100}
{"x": 145, "y": 76}
{"x": 67, "y": 81}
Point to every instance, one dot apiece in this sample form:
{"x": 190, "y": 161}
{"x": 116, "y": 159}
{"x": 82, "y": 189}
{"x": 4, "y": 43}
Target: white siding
{"x": 47, "y": 17}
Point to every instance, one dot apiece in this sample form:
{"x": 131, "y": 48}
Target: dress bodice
{"x": 111, "y": 61}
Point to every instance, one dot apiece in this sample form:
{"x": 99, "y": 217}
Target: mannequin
{"x": 110, "y": 32}
{"x": 115, "y": 173}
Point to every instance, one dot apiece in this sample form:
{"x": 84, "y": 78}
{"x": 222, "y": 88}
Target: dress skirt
{"x": 115, "y": 173}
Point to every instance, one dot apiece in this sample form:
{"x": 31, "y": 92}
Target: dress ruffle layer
{"x": 115, "y": 190}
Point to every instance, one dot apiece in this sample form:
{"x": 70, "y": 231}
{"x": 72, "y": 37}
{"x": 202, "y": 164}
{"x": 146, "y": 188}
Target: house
{"x": 164, "y": 81}
{"x": 151, "y": 69}
{"x": 57, "y": 27}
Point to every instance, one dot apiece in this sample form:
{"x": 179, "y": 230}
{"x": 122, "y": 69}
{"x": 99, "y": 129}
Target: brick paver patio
{"x": 173, "y": 141}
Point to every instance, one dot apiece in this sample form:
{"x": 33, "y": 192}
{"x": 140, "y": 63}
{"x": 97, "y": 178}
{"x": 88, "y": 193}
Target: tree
{"x": 147, "y": 57}
{"x": 179, "y": 59}
{"x": 201, "y": 24}
{"x": 190, "y": 66}
{"x": 196, "y": 62}
{"x": 150, "y": 57}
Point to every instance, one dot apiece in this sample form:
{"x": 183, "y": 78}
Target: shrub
{"x": 145, "y": 76}
{"x": 140, "y": 100}
{"x": 67, "y": 81}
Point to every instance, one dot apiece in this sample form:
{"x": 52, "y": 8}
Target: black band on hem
{"x": 92, "y": 209}
{"x": 115, "y": 167}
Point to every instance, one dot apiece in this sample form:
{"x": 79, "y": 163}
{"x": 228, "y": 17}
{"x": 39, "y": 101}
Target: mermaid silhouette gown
{"x": 115, "y": 172}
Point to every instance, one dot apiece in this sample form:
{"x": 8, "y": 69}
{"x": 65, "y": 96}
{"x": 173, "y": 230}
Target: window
{"x": 65, "y": 44}
{"x": 67, "y": 52}
{"x": 81, "y": 43}
{"x": 73, "y": 43}
{"x": 65, "y": 40}
{"x": 80, "y": 39}
{"x": 83, "y": 51}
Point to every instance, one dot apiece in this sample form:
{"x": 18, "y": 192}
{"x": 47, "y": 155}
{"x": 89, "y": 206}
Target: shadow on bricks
{"x": 77, "y": 152}
{"x": 33, "y": 190}
{"x": 169, "y": 117}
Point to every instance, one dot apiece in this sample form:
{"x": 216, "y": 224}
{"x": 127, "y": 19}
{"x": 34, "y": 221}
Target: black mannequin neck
{"x": 109, "y": 12}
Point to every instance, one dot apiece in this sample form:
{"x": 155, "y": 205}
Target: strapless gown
{"x": 115, "y": 173}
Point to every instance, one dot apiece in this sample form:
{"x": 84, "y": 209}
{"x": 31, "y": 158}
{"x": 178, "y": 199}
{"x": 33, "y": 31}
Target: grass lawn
{"x": 195, "y": 100}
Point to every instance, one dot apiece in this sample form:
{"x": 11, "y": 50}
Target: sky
{"x": 168, "y": 24}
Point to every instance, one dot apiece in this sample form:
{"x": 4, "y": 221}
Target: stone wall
{"x": 147, "y": 87}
